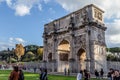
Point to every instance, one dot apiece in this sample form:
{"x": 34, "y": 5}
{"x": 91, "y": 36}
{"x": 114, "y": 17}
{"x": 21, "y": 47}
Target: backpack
{"x": 21, "y": 76}
{"x": 109, "y": 74}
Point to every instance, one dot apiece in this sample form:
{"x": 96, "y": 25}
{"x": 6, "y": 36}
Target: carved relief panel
{"x": 50, "y": 45}
{"x": 81, "y": 16}
{"x": 80, "y": 40}
{"x": 98, "y": 14}
{"x": 80, "y": 32}
{"x": 64, "y": 23}
{"x": 50, "y": 28}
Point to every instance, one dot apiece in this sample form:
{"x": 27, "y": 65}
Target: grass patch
{"x": 4, "y": 74}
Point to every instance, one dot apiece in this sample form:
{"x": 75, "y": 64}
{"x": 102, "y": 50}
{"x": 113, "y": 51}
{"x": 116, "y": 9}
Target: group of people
{"x": 99, "y": 74}
{"x": 16, "y": 74}
{"x": 113, "y": 74}
{"x": 66, "y": 71}
{"x": 86, "y": 74}
{"x": 83, "y": 74}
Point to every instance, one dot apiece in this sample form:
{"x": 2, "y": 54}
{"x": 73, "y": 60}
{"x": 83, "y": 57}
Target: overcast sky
{"x": 22, "y": 21}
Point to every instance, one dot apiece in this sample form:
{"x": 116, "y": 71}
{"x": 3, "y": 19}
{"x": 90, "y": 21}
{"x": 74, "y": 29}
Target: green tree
{"x": 40, "y": 53}
{"x": 29, "y": 56}
{"x": 32, "y": 48}
{"x": 110, "y": 57}
{"x": 114, "y": 49}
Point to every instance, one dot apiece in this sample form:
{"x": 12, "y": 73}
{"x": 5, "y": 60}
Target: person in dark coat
{"x": 96, "y": 74}
{"x": 41, "y": 74}
{"x": 116, "y": 75}
{"x": 110, "y": 73}
{"x": 101, "y": 73}
{"x": 86, "y": 75}
{"x": 14, "y": 74}
{"x": 44, "y": 75}
{"x": 21, "y": 75}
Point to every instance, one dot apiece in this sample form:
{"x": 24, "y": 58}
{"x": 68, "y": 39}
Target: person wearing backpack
{"x": 21, "y": 75}
{"x": 14, "y": 75}
{"x": 101, "y": 73}
{"x": 44, "y": 75}
{"x": 79, "y": 75}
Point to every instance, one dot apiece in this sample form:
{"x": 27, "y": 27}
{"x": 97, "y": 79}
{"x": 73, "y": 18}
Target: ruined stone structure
{"x": 76, "y": 41}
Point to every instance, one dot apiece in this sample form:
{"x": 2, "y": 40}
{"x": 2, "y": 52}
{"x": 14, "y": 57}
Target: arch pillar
{"x": 87, "y": 48}
{"x": 72, "y": 55}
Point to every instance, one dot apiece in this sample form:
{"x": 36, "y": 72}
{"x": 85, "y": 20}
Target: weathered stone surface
{"x": 78, "y": 33}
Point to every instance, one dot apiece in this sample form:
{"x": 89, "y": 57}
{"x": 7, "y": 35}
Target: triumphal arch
{"x": 76, "y": 41}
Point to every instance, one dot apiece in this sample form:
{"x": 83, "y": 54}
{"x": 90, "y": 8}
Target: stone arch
{"x": 81, "y": 58}
{"x": 63, "y": 53}
{"x": 63, "y": 39}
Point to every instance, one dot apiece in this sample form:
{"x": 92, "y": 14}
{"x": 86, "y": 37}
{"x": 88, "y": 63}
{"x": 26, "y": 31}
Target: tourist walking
{"x": 86, "y": 75}
{"x": 68, "y": 71}
{"x": 41, "y": 73}
{"x": 116, "y": 75}
{"x": 110, "y": 74}
{"x": 96, "y": 74}
{"x": 79, "y": 75}
{"x": 65, "y": 71}
{"x": 101, "y": 73}
{"x": 21, "y": 75}
{"x": 44, "y": 75}
{"x": 14, "y": 74}
{"x": 34, "y": 69}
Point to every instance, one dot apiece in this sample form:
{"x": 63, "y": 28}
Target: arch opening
{"x": 81, "y": 56}
{"x": 63, "y": 55}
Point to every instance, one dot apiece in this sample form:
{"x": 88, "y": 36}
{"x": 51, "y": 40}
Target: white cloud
{"x": 11, "y": 39}
{"x": 113, "y": 27}
{"x": 5, "y": 46}
{"x": 111, "y": 7}
{"x": 9, "y": 2}
{"x": 40, "y": 7}
{"x": 51, "y": 11}
{"x": 22, "y": 10}
{"x": 49, "y": 20}
{"x": 46, "y": 1}
{"x": 20, "y": 40}
{"x": 11, "y": 43}
{"x": 23, "y": 7}
{"x": 16, "y": 40}
{"x": 113, "y": 33}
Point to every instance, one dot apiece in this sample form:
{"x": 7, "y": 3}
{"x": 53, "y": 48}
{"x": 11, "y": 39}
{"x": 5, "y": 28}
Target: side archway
{"x": 81, "y": 58}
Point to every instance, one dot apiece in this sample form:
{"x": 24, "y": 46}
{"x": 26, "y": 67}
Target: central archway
{"x": 81, "y": 56}
{"x": 63, "y": 55}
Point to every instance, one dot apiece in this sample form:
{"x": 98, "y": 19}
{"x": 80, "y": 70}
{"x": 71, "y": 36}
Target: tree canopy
{"x": 114, "y": 49}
